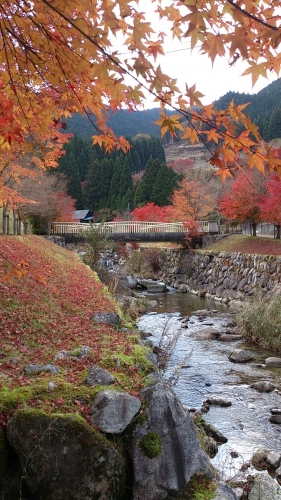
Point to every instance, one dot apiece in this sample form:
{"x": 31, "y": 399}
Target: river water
{"x": 207, "y": 371}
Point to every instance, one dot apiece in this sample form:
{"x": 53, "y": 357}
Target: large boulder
{"x": 224, "y": 492}
{"x": 164, "y": 448}
{"x": 264, "y": 487}
{"x": 62, "y": 456}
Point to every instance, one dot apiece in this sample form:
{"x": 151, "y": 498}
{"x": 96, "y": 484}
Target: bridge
{"x": 124, "y": 231}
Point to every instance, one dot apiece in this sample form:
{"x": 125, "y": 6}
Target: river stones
{"x": 206, "y": 333}
{"x": 263, "y": 459}
{"x": 263, "y": 487}
{"x": 224, "y": 492}
{"x": 273, "y": 361}
{"x": 218, "y": 401}
{"x": 227, "y": 337}
{"x": 213, "y": 432}
{"x": 259, "y": 458}
{"x": 240, "y": 356}
{"x": 263, "y": 386}
{"x": 275, "y": 419}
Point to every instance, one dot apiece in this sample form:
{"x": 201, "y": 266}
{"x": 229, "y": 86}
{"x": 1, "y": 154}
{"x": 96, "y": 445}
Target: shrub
{"x": 259, "y": 322}
{"x": 146, "y": 263}
{"x": 137, "y": 265}
{"x": 155, "y": 258}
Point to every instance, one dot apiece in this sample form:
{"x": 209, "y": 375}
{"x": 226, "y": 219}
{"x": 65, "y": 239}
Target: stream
{"x": 207, "y": 371}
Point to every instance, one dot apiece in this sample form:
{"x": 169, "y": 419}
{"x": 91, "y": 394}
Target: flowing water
{"x": 207, "y": 371}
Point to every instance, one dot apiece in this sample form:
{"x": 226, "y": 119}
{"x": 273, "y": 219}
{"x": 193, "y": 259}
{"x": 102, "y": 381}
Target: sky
{"x": 211, "y": 80}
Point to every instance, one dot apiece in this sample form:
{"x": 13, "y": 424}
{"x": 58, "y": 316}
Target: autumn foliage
{"x": 65, "y": 58}
{"x": 40, "y": 318}
{"x": 152, "y": 213}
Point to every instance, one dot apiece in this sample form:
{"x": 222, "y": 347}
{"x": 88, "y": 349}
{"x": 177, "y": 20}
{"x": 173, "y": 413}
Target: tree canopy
{"x": 59, "y": 57}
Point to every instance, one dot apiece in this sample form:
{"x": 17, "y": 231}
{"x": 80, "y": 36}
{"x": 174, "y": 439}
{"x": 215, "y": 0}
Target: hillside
{"x": 247, "y": 244}
{"x": 48, "y": 310}
{"x": 123, "y": 122}
{"x": 264, "y": 109}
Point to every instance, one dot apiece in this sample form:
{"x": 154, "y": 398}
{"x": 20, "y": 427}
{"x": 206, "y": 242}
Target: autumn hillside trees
{"x": 253, "y": 198}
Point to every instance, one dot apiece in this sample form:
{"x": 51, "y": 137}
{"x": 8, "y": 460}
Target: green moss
{"x": 198, "y": 488}
{"x": 151, "y": 444}
{"x": 22, "y": 396}
{"x": 74, "y": 422}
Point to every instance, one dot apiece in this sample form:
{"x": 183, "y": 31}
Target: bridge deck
{"x": 124, "y": 231}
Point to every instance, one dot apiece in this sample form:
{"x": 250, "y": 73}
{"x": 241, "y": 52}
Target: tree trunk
{"x": 278, "y": 231}
{"x": 254, "y": 227}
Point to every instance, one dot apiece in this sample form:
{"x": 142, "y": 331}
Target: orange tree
{"x": 59, "y": 56}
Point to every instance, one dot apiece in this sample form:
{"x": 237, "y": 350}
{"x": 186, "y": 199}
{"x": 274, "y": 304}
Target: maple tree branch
{"x": 251, "y": 16}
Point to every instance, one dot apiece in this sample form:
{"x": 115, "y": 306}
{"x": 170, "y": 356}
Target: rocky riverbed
{"x": 202, "y": 363}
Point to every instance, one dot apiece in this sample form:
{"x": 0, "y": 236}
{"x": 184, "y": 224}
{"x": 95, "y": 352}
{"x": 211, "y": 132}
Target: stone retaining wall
{"x": 220, "y": 274}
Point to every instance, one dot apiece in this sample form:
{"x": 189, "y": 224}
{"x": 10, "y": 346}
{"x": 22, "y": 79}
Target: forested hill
{"x": 123, "y": 123}
{"x": 264, "y": 108}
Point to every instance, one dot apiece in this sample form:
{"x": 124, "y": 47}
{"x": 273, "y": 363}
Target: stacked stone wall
{"x": 220, "y": 274}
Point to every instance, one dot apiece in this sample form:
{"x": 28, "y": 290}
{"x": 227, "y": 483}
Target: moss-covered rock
{"x": 62, "y": 456}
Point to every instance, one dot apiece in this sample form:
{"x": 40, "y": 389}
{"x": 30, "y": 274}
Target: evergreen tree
{"x": 74, "y": 183}
{"x": 92, "y": 187}
{"x": 106, "y": 173}
{"x": 166, "y": 182}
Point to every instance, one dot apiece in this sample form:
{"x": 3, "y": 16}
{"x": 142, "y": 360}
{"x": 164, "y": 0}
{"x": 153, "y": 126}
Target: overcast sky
{"x": 213, "y": 81}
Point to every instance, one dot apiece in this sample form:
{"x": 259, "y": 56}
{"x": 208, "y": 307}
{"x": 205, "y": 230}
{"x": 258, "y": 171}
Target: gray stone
{"x": 218, "y": 401}
{"x": 106, "y": 318}
{"x": 263, "y": 386}
{"x": 206, "y": 333}
{"x": 33, "y": 369}
{"x": 132, "y": 282}
{"x": 264, "y": 487}
{"x": 99, "y": 376}
{"x": 273, "y": 361}
{"x": 212, "y": 431}
{"x": 78, "y": 353}
{"x": 240, "y": 356}
{"x": 275, "y": 411}
{"x": 227, "y": 337}
{"x": 278, "y": 474}
{"x": 69, "y": 458}
{"x": 181, "y": 455}
{"x": 152, "y": 286}
{"x": 224, "y": 492}
{"x": 273, "y": 459}
{"x": 275, "y": 419}
{"x": 113, "y": 411}
{"x": 259, "y": 459}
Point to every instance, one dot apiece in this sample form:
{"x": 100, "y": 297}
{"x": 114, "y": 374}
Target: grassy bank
{"x": 47, "y": 299}
{"x": 247, "y": 244}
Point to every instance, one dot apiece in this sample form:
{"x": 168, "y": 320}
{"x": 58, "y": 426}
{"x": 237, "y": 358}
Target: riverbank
{"x": 64, "y": 343}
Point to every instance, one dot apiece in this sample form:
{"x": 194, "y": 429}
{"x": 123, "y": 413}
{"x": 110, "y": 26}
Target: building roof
{"x": 81, "y": 214}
